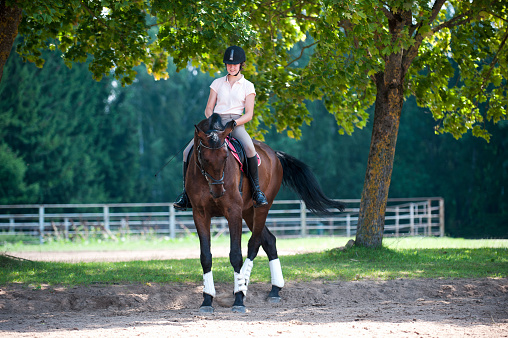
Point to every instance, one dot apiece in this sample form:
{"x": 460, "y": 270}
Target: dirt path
{"x": 398, "y": 308}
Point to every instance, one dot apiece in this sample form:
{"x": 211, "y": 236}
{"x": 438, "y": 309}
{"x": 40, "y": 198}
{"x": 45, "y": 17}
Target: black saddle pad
{"x": 238, "y": 152}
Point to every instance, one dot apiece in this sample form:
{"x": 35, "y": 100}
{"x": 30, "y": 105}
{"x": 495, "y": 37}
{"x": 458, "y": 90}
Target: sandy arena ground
{"x": 396, "y": 308}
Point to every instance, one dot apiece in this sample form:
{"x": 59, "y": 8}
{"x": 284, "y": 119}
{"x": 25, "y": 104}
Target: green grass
{"x": 97, "y": 244}
{"x": 192, "y": 242}
{"x": 399, "y": 258}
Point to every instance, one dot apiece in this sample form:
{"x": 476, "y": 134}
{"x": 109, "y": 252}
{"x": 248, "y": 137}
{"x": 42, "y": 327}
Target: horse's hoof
{"x": 206, "y": 309}
{"x": 274, "y": 300}
{"x": 238, "y": 309}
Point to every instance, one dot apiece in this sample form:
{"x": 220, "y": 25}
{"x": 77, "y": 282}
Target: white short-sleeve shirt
{"x": 231, "y": 100}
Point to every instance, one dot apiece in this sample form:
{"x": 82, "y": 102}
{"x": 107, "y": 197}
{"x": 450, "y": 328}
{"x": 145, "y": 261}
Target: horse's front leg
{"x": 202, "y": 222}
{"x": 235, "y": 257}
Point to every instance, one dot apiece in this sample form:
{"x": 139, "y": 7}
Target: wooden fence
{"x": 287, "y": 218}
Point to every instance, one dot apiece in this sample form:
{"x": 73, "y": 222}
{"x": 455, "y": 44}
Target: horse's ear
{"x": 200, "y": 133}
{"x": 229, "y": 127}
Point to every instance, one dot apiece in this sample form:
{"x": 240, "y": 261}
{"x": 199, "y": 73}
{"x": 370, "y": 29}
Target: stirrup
{"x": 182, "y": 202}
{"x": 259, "y": 198}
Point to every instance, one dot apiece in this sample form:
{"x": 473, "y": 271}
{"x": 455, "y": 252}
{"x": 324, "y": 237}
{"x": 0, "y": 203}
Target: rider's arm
{"x": 210, "y": 105}
{"x": 249, "y": 110}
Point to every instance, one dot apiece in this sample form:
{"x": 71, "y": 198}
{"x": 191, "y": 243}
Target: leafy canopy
{"x": 297, "y": 51}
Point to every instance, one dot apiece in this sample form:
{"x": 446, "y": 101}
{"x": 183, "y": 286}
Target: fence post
{"x": 397, "y": 224}
{"x": 412, "y": 218}
{"x": 66, "y": 225}
{"x": 303, "y": 218}
{"x": 41, "y": 224}
{"x": 11, "y": 226}
{"x": 348, "y": 225}
{"x": 172, "y": 227}
{"x": 441, "y": 217}
{"x": 429, "y": 217}
{"x": 106, "y": 218}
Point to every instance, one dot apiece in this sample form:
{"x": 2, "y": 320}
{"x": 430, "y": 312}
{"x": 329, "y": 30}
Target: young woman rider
{"x": 232, "y": 97}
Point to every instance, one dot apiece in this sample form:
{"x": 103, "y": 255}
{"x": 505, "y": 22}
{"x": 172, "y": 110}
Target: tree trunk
{"x": 388, "y": 107}
{"x": 10, "y": 18}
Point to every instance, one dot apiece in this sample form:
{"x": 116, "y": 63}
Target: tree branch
{"x": 494, "y": 60}
{"x": 413, "y": 51}
{"x": 455, "y": 21}
{"x": 386, "y": 12}
{"x": 301, "y": 53}
{"x": 92, "y": 13}
{"x": 497, "y": 16}
{"x": 163, "y": 22}
{"x": 435, "y": 11}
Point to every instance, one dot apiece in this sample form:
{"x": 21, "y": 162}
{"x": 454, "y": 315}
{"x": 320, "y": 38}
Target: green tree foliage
{"x": 338, "y": 161}
{"x": 116, "y": 33}
{"x": 366, "y": 52}
{"x": 469, "y": 173}
{"x": 69, "y": 139}
{"x": 164, "y": 114}
{"x": 13, "y": 188}
{"x": 361, "y": 52}
{"x": 57, "y": 134}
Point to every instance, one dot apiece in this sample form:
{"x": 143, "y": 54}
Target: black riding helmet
{"x": 234, "y": 55}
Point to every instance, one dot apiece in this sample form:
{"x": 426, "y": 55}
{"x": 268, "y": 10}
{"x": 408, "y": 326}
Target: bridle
{"x": 208, "y": 177}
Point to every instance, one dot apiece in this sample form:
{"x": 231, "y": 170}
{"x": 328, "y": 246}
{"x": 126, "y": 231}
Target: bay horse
{"x": 215, "y": 187}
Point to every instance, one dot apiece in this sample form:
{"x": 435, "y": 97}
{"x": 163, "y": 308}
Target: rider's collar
{"x": 240, "y": 80}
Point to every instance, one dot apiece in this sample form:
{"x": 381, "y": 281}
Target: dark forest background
{"x": 65, "y": 138}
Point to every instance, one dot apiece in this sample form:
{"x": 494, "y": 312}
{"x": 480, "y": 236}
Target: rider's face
{"x": 233, "y": 69}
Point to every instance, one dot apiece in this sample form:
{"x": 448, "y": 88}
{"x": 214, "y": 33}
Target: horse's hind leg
{"x": 269, "y": 246}
{"x": 261, "y": 236}
{"x": 257, "y": 226}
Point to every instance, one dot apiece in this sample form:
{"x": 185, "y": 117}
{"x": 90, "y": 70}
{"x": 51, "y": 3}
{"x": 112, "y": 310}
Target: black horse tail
{"x": 299, "y": 177}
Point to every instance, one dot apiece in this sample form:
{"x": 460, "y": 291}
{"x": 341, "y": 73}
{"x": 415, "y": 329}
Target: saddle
{"x": 238, "y": 152}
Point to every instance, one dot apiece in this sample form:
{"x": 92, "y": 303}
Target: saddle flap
{"x": 238, "y": 152}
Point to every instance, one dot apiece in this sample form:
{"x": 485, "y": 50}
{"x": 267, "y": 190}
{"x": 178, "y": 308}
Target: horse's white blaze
{"x": 276, "y": 272}
{"x": 209, "y": 286}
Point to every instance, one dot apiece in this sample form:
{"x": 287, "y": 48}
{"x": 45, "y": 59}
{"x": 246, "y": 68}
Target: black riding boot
{"x": 257, "y": 195}
{"x": 182, "y": 201}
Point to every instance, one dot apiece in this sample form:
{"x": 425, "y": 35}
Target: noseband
{"x": 209, "y": 177}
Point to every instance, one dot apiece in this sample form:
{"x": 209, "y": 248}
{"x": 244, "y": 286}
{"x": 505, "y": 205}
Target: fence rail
{"x": 288, "y": 218}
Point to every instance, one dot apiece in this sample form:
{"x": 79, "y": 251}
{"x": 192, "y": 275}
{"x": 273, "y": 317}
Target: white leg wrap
{"x": 246, "y": 270}
{"x": 276, "y": 272}
{"x": 209, "y": 287}
{"x": 240, "y": 283}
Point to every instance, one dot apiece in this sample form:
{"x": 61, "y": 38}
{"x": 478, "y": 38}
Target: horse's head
{"x": 212, "y": 152}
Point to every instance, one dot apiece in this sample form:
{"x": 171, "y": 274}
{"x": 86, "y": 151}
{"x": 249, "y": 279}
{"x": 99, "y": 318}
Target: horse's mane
{"x": 215, "y": 122}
